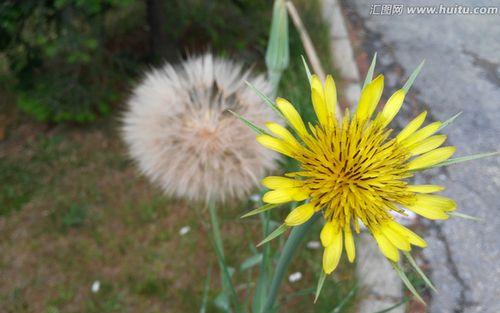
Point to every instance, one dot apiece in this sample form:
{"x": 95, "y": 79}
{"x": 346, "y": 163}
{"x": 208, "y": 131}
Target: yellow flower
{"x": 354, "y": 171}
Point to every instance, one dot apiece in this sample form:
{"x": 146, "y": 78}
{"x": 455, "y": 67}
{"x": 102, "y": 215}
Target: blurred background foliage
{"x": 66, "y": 60}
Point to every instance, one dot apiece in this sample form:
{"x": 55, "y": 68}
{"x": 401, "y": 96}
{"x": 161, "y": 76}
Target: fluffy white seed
{"x": 179, "y": 131}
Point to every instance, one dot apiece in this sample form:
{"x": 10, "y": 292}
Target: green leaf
{"x": 411, "y": 260}
{"x": 412, "y": 77}
{"x": 389, "y": 309}
{"x": 449, "y": 121}
{"x": 407, "y": 282}
{"x": 371, "y": 69}
{"x": 261, "y": 209}
{"x": 464, "y": 159}
{"x": 277, "y": 232}
{"x": 264, "y": 98}
{"x": 306, "y": 67}
{"x": 321, "y": 281}
{"x": 254, "y": 127}
{"x": 251, "y": 262}
{"x": 204, "y": 301}
{"x": 465, "y": 216}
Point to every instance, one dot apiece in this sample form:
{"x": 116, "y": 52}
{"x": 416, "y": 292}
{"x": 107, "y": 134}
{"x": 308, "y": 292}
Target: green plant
{"x": 60, "y": 54}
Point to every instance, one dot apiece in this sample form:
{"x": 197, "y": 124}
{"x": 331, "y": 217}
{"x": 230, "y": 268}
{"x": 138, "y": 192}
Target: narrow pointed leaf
{"x": 412, "y": 77}
{"x": 449, "y": 121}
{"x": 277, "y": 232}
{"x": 371, "y": 69}
{"x": 389, "y": 309}
{"x": 306, "y": 67}
{"x": 465, "y": 159}
{"x": 411, "y": 260}
{"x": 407, "y": 282}
{"x": 254, "y": 127}
{"x": 321, "y": 281}
{"x": 261, "y": 209}
{"x": 465, "y": 216}
{"x": 264, "y": 98}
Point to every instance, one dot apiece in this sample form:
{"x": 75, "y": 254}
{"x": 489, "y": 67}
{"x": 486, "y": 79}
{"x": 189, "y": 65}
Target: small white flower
{"x": 184, "y": 230}
{"x": 313, "y": 245}
{"x": 95, "y": 286}
{"x": 295, "y": 277}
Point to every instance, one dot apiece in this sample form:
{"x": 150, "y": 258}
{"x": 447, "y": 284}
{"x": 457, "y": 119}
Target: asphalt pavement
{"x": 462, "y": 73}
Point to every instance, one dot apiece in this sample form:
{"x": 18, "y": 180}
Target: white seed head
{"x": 179, "y": 131}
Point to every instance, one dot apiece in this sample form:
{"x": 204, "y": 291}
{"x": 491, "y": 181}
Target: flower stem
{"x": 215, "y": 228}
{"x": 227, "y": 286}
{"x": 289, "y": 249}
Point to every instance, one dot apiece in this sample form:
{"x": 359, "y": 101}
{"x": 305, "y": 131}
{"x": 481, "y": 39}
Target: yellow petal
{"x": 413, "y": 238}
{"x": 431, "y": 158}
{"x": 318, "y": 99}
{"x": 433, "y": 207}
{"x": 349, "y": 244}
{"x": 330, "y": 96}
{"x": 276, "y": 182}
{"x": 327, "y": 234}
{"x": 300, "y": 215}
{"x": 387, "y": 248}
{"x": 274, "y": 144}
{"x": 292, "y": 116}
{"x": 277, "y": 196}
{"x": 283, "y": 133}
{"x": 392, "y": 107}
{"x": 300, "y": 194}
{"x": 437, "y": 201}
{"x": 411, "y": 127}
{"x": 332, "y": 253}
{"x": 398, "y": 240}
{"x": 421, "y": 134}
{"x": 425, "y": 188}
{"x": 427, "y": 145}
{"x": 370, "y": 97}
{"x": 430, "y": 213}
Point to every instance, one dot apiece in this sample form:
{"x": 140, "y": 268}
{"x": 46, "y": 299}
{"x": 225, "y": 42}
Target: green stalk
{"x": 215, "y": 228}
{"x": 227, "y": 286}
{"x": 293, "y": 241}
